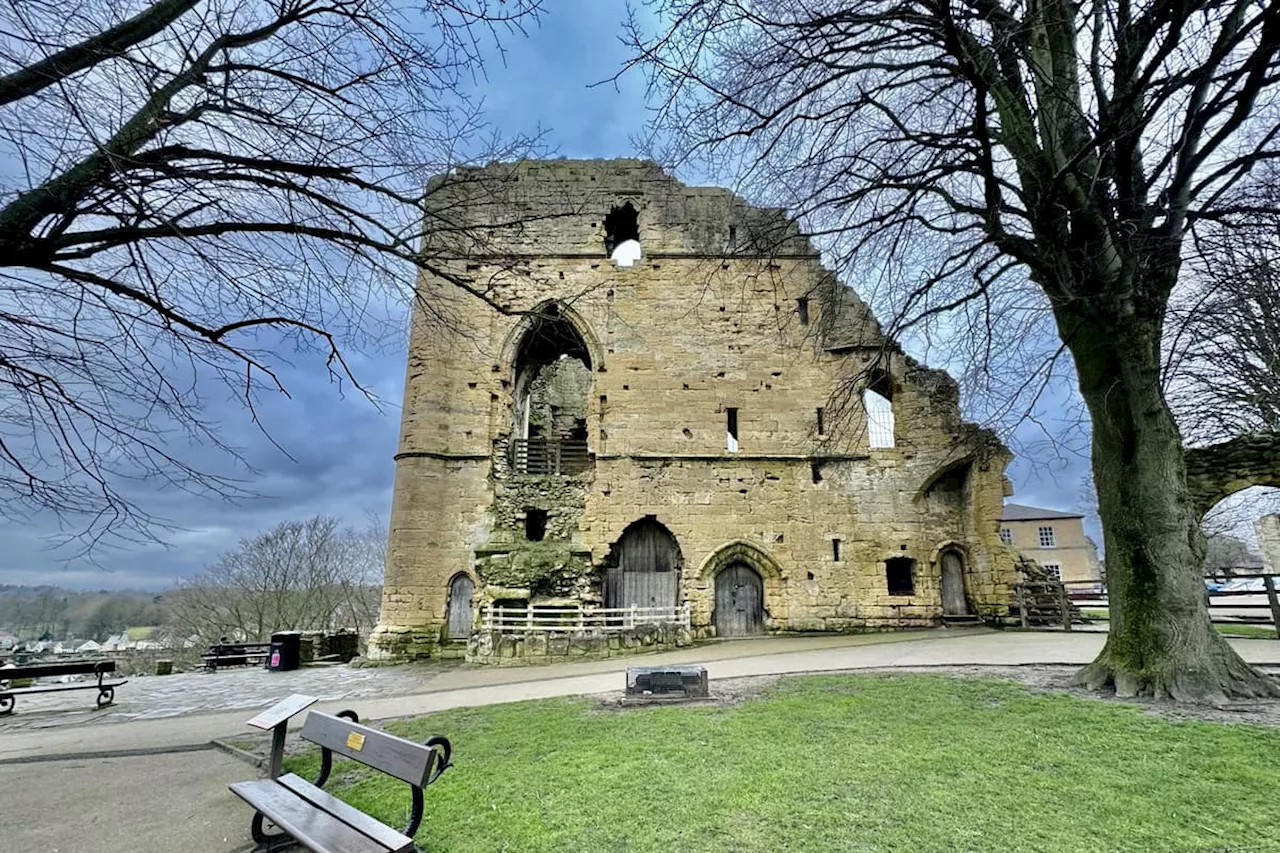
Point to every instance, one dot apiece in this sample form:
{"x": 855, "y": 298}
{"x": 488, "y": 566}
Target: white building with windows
{"x": 1054, "y": 539}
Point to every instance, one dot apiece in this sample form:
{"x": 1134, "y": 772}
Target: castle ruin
{"x": 682, "y": 409}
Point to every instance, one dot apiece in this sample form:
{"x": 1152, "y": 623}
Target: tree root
{"x": 1215, "y": 678}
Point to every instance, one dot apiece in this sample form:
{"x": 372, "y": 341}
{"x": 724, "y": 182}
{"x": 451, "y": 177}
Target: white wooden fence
{"x": 576, "y": 619}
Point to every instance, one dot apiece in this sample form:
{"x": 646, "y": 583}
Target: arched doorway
{"x": 643, "y": 567}
{"x": 461, "y": 588}
{"x": 954, "y": 602}
{"x": 739, "y": 601}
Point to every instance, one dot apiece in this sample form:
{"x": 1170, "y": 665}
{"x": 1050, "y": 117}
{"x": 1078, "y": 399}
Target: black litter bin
{"x": 286, "y": 651}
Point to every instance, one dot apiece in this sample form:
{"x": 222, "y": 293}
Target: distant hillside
{"x": 31, "y": 611}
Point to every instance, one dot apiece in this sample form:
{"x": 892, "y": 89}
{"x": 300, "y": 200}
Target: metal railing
{"x": 549, "y": 455}
{"x": 505, "y": 619}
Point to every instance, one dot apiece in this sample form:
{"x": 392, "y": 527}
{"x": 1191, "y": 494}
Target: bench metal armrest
{"x": 444, "y": 750}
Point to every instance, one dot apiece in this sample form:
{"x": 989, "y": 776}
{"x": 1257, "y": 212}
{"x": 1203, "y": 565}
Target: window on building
{"x": 822, "y": 427}
{"x": 835, "y": 550}
{"x": 899, "y": 575}
{"x": 622, "y": 235}
{"x": 535, "y": 524}
{"x": 877, "y": 399}
{"x": 731, "y": 430}
{"x": 1047, "y": 539}
{"x": 1006, "y": 535}
{"x": 802, "y": 310}
{"x": 1054, "y": 569}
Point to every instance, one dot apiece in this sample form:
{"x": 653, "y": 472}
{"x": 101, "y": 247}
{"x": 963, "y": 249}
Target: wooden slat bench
{"x": 100, "y": 668}
{"x": 236, "y": 654}
{"x": 320, "y": 822}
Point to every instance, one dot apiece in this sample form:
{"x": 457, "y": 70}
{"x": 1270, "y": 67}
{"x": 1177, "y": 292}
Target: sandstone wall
{"x": 701, "y": 324}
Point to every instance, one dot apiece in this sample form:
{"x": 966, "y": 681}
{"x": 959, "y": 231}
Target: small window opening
{"x": 835, "y": 550}
{"x": 622, "y": 235}
{"x": 731, "y": 430}
{"x": 535, "y": 524}
{"x": 815, "y": 471}
{"x": 899, "y": 574}
{"x": 877, "y": 399}
{"x": 822, "y": 427}
{"x": 802, "y": 309}
{"x": 733, "y": 236}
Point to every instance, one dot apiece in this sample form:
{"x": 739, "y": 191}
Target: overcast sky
{"x": 339, "y": 446}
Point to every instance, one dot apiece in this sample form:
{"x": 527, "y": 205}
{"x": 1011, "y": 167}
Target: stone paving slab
{"x": 177, "y": 803}
{"x": 154, "y": 697}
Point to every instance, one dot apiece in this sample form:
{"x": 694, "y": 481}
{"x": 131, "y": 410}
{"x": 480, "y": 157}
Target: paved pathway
{"x": 439, "y": 689}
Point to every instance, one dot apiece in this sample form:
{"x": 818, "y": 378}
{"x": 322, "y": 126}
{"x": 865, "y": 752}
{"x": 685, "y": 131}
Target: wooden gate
{"x": 739, "y": 602}
{"x": 953, "y": 600}
{"x": 461, "y": 588}
{"x": 647, "y": 573}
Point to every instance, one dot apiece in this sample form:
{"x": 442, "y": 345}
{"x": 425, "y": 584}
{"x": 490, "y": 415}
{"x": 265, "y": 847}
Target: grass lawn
{"x": 838, "y": 763}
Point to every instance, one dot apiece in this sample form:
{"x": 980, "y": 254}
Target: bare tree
{"x": 973, "y": 152}
{"x": 196, "y": 186}
{"x": 299, "y": 575}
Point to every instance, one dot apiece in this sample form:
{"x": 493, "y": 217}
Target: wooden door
{"x": 461, "y": 588}
{"x": 953, "y": 600}
{"x": 647, "y": 573}
{"x": 739, "y": 602}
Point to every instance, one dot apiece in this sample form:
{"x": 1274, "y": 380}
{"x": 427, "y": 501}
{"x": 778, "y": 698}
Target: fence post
{"x": 1063, "y": 608}
{"x": 1022, "y": 606}
{"x": 1269, "y": 582}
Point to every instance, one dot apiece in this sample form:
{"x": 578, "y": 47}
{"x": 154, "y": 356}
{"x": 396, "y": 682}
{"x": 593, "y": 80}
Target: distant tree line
{"x": 313, "y": 574}
{"x": 33, "y": 612}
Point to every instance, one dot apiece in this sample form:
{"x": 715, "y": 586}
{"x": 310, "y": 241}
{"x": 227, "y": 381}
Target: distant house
{"x": 117, "y": 643}
{"x": 67, "y": 647}
{"x": 1052, "y": 538}
{"x": 89, "y": 646}
{"x": 7, "y": 642}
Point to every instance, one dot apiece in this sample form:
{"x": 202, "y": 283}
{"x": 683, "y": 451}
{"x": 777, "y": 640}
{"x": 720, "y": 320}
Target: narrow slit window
{"x": 822, "y": 427}
{"x": 815, "y": 471}
{"x": 802, "y": 310}
{"x": 835, "y": 550}
{"x": 731, "y": 430}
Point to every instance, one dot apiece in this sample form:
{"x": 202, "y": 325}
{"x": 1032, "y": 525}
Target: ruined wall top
{"x": 558, "y": 207}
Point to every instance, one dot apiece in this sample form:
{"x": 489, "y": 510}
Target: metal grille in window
{"x": 1047, "y": 539}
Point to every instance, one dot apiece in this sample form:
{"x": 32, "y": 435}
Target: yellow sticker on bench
{"x": 355, "y": 741}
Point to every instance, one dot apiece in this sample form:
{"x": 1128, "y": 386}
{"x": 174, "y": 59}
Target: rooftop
{"x": 1018, "y": 512}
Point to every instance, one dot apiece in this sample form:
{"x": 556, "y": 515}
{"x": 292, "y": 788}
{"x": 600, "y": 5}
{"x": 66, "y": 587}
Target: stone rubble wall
{"x": 492, "y": 647}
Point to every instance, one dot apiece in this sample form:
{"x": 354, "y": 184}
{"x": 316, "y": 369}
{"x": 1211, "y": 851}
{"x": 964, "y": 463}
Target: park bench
{"x": 100, "y": 668}
{"x": 235, "y": 654}
{"x": 319, "y": 821}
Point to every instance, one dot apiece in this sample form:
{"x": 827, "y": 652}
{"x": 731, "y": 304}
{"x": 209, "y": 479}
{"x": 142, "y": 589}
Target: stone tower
{"x": 680, "y": 406}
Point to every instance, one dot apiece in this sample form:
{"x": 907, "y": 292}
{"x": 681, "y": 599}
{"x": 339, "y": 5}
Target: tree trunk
{"x": 1161, "y": 643}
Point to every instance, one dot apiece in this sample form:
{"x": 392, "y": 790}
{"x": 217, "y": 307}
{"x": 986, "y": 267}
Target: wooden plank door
{"x": 953, "y": 600}
{"x": 739, "y": 602}
{"x": 461, "y": 588}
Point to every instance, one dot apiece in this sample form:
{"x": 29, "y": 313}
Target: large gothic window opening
{"x": 552, "y": 386}
{"x": 643, "y": 567}
{"x": 622, "y": 235}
